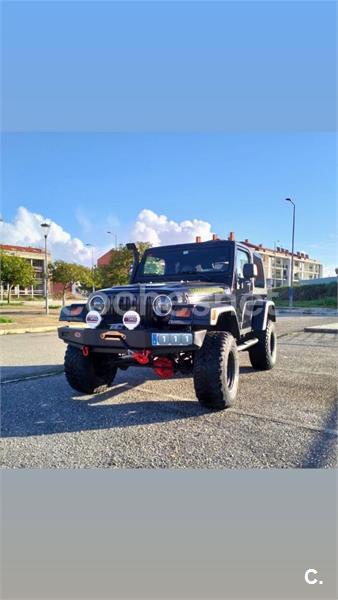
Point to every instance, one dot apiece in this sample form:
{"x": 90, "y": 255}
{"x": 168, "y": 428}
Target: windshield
{"x": 205, "y": 263}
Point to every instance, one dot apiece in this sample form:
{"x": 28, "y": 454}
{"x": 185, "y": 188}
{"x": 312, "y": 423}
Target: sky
{"x": 93, "y": 183}
{"x": 165, "y": 120}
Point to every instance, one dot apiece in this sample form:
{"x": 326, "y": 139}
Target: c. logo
{"x": 311, "y": 580}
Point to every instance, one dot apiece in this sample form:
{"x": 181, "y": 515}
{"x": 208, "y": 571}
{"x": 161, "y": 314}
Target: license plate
{"x": 172, "y": 339}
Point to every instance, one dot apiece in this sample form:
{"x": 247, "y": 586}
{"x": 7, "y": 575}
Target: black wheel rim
{"x": 231, "y": 370}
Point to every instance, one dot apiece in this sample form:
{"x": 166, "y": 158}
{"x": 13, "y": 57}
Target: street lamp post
{"x": 292, "y": 249}
{"x": 92, "y": 254}
{"x": 45, "y": 227}
{"x": 114, "y": 235}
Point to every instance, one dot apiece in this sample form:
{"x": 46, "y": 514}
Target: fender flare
{"x": 218, "y": 311}
{"x": 267, "y": 312}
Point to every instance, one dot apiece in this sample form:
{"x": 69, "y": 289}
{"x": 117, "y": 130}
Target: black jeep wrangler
{"x": 189, "y": 308}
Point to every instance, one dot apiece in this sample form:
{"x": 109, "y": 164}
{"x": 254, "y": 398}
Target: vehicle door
{"x": 244, "y": 289}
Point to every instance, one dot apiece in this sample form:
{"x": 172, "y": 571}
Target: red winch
{"x": 163, "y": 366}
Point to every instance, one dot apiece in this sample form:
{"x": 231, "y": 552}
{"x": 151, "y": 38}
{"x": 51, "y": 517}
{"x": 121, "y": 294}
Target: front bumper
{"x": 122, "y": 341}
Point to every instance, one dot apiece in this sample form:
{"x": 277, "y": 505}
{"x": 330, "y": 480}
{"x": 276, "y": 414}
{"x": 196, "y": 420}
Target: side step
{"x": 247, "y": 344}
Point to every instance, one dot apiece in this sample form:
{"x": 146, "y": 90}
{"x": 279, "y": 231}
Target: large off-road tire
{"x": 216, "y": 370}
{"x": 263, "y": 355}
{"x": 89, "y": 374}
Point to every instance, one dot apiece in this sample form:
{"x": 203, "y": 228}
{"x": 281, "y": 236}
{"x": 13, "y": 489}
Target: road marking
{"x": 279, "y": 369}
{"x": 308, "y": 345}
{"x": 333, "y": 432}
{"x": 27, "y": 377}
{"x": 139, "y": 390}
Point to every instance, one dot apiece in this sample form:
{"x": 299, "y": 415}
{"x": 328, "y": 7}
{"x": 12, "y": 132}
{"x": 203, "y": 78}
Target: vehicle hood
{"x": 193, "y": 291}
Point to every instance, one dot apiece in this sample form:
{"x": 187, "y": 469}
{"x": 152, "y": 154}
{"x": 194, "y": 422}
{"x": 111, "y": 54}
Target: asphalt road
{"x": 282, "y": 418}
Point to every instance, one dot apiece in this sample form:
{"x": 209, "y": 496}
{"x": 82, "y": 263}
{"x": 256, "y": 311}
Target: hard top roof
{"x": 192, "y": 244}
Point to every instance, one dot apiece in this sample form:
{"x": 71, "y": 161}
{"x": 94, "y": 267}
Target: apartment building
{"x": 36, "y": 257}
{"x": 277, "y": 265}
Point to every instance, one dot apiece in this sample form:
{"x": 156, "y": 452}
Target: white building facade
{"x": 277, "y": 265}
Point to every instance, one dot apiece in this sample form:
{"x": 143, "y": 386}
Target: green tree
{"x": 15, "y": 271}
{"x": 142, "y": 247}
{"x": 69, "y": 273}
{"x": 117, "y": 271}
{"x": 95, "y": 280}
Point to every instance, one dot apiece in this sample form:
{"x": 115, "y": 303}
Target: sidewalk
{"x": 29, "y": 323}
{"x": 29, "y": 319}
{"x": 329, "y": 328}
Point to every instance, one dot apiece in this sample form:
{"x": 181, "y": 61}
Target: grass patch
{"x": 319, "y": 295}
{"x": 55, "y": 306}
{"x": 13, "y": 303}
{"x": 35, "y": 299}
{"x": 318, "y": 303}
{"x": 6, "y": 320}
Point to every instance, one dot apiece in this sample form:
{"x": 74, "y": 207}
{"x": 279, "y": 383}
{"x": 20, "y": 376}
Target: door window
{"x": 242, "y": 259}
{"x": 260, "y": 279}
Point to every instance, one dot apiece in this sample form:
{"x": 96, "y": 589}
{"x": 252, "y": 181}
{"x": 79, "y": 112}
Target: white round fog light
{"x": 93, "y": 319}
{"x": 131, "y": 319}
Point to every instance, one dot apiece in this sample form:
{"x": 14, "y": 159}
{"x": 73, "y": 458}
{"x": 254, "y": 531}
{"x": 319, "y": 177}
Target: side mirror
{"x": 249, "y": 271}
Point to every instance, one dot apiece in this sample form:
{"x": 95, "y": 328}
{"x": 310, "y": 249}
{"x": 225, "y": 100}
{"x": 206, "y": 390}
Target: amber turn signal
{"x": 183, "y": 313}
{"x": 76, "y": 310}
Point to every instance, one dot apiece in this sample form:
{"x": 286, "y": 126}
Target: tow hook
{"x": 163, "y": 367}
{"x": 85, "y": 351}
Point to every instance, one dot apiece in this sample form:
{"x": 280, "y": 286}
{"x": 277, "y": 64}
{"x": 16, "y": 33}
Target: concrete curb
{"x": 28, "y": 330}
{"x": 323, "y": 329}
{"x": 316, "y": 312}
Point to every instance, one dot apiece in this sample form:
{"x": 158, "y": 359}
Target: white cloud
{"x": 26, "y": 230}
{"x": 159, "y": 229}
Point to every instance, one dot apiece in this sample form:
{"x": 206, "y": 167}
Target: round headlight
{"x": 162, "y": 305}
{"x": 97, "y": 303}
